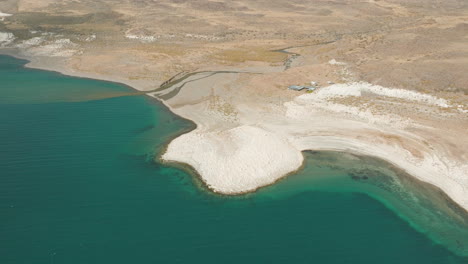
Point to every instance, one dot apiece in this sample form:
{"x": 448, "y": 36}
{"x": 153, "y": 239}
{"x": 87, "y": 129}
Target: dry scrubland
{"x": 401, "y": 89}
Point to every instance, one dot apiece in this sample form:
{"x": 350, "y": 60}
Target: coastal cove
{"x": 80, "y": 184}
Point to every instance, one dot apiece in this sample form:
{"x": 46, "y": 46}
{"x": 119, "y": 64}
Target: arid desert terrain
{"x": 390, "y": 77}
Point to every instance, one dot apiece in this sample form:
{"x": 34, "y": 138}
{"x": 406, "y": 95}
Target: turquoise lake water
{"x": 79, "y": 184}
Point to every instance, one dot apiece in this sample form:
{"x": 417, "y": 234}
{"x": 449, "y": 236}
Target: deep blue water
{"x": 79, "y": 184}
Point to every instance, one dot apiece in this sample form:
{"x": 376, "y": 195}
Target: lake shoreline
{"x": 142, "y": 87}
{"x": 450, "y": 207}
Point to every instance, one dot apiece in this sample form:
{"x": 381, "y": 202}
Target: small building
{"x": 296, "y": 87}
{"x": 310, "y": 88}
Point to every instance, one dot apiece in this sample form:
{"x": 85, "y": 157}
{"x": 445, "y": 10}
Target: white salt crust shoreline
{"x": 252, "y": 175}
{"x": 242, "y": 158}
{"x": 239, "y": 158}
{"x": 249, "y": 168}
{"x": 4, "y": 14}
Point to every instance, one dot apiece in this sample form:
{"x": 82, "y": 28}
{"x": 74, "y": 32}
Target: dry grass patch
{"x": 170, "y": 50}
{"x": 249, "y": 54}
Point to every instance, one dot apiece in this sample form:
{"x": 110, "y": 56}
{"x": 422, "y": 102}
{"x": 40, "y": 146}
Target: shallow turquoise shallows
{"x": 79, "y": 184}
